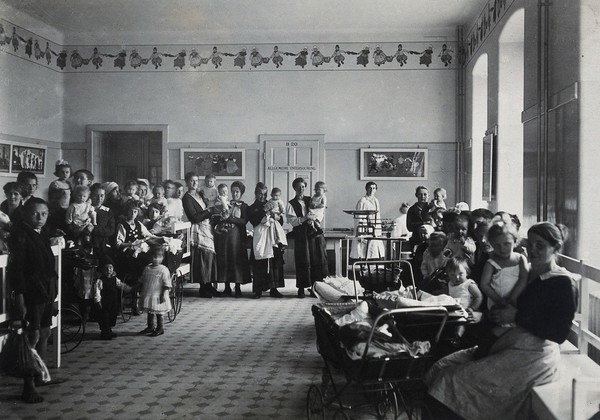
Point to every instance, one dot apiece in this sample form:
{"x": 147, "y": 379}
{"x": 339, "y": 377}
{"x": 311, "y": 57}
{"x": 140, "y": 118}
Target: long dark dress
{"x": 310, "y": 255}
{"x": 267, "y": 273}
{"x": 204, "y": 261}
{"x": 230, "y": 246}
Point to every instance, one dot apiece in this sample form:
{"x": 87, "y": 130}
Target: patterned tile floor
{"x": 221, "y": 358}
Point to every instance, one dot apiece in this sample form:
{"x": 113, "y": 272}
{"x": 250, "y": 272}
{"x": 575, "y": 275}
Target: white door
{"x": 286, "y": 160}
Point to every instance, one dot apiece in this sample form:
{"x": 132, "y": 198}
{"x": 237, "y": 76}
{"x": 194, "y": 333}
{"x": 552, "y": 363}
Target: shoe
{"x": 238, "y": 293}
{"x": 311, "y": 293}
{"x": 105, "y": 336}
{"x": 53, "y": 381}
{"x": 205, "y": 293}
{"x": 274, "y": 293}
{"x": 136, "y": 312}
{"x": 257, "y": 295}
{"x": 147, "y": 330}
{"x": 227, "y": 292}
{"x": 214, "y": 291}
{"x": 301, "y": 294}
{"x": 156, "y": 333}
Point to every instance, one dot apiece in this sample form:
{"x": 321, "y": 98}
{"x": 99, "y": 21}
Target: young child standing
{"x": 505, "y": 273}
{"x": 463, "y": 289}
{"x": 59, "y": 191}
{"x": 208, "y": 191}
{"x": 107, "y": 298}
{"x": 318, "y": 204}
{"x": 154, "y": 292}
{"x": 81, "y": 216}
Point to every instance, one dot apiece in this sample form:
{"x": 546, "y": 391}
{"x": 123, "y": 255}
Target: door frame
{"x": 92, "y": 145}
{"x": 263, "y": 138}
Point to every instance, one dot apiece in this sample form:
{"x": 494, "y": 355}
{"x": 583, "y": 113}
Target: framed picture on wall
{"x": 393, "y": 164}
{"x": 4, "y": 157}
{"x": 28, "y": 158}
{"x": 225, "y": 164}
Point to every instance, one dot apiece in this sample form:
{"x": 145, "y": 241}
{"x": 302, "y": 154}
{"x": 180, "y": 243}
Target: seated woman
{"x": 497, "y": 385}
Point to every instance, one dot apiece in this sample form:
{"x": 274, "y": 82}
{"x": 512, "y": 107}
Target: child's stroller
{"x": 374, "y": 373}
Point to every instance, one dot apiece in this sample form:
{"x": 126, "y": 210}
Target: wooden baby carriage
{"x": 383, "y": 383}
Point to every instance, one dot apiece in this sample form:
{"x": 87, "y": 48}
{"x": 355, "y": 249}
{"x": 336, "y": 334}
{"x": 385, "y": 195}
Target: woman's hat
{"x": 109, "y": 186}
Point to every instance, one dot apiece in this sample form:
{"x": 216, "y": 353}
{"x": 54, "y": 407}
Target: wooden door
{"x": 286, "y": 160}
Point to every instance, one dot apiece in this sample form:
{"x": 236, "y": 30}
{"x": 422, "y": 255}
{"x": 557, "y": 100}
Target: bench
{"x": 556, "y": 400}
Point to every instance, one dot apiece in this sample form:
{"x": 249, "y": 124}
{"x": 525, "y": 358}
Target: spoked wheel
{"x": 419, "y": 411}
{"x": 175, "y": 301}
{"x": 340, "y": 415}
{"x": 179, "y": 292}
{"x": 315, "y": 409}
{"x": 127, "y": 305}
{"x": 386, "y": 405}
{"x": 72, "y": 329}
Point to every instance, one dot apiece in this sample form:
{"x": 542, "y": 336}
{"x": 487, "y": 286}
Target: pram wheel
{"x": 127, "y": 301}
{"x": 387, "y": 405}
{"x": 72, "y": 329}
{"x": 340, "y": 415}
{"x": 176, "y": 295}
{"x": 419, "y": 411}
{"x": 315, "y": 409}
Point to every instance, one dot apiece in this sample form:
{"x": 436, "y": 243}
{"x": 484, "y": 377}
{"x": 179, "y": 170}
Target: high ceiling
{"x": 97, "y": 21}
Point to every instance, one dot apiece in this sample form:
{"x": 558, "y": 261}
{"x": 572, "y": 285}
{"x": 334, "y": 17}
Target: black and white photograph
{"x": 316, "y": 209}
{"x": 28, "y": 158}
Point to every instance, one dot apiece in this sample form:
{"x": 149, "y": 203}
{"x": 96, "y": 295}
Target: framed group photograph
{"x": 4, "y": 157}
{"x": 225, "y": 164}
{"x": 28, "y": 158}
{"x": 393, "y": 164}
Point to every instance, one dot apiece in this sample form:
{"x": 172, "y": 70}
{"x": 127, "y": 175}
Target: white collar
{"x": 558, "y": 271}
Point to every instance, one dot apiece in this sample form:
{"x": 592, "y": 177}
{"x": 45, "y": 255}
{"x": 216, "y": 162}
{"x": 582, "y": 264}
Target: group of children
{"x": 115, "y": 226}
{"x": 476, "y": 258}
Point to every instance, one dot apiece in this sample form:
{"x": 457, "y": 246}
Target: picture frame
{"x": 225, "y": 164}
{"x": 5, "y": 156}
{"x": 394, "y": 164}
{"x": 28, "y": 158}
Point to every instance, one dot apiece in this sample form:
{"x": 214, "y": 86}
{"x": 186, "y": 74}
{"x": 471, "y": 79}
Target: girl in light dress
{"x": 505, "y": 273}
{"x": 316, "y": 57}
{"x": 59, "y": 191}
{"x": 256, "y": 58}
{"x": 154, "y": 292}
{"x": 379, "y": 56}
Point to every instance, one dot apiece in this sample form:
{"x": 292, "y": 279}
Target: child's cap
{"x": 462, "y": 206}
{"x": 105, "y": 260}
